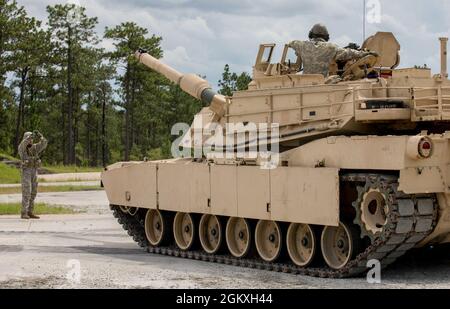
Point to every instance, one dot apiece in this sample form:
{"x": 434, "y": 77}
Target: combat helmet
{"x": 319, "y": 31}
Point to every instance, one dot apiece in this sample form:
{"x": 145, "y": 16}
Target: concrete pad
{"x": 44, "y": 254}
{"x": 69, "y": 177}
{"x": 56, "y": 184}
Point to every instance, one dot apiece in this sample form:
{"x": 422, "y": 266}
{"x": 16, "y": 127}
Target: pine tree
{"x": 10, "y": 17}
{"x": 139, "y": 87}
{"x": 73, "y": 36}
{"x": 231, "y": 82}
{"x": 31, "y": 46}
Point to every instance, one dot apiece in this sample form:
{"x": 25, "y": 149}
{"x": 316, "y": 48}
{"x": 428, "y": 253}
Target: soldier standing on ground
{"x": 317, "y": 53}
{"x": 29, "y": 154}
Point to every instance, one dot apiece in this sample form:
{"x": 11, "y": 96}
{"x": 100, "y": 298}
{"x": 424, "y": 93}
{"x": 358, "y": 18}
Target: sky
{"x": 201, "y": 36}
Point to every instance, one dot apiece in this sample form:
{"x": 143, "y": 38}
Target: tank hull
{"x": 298, "y": 191}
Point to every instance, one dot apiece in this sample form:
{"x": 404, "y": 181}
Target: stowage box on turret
{"x": 318, "y": 175}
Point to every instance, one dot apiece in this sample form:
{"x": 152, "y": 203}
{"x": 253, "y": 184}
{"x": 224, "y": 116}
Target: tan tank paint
{"x": 137, "y": 186}
{"x": 235, "y": 191}
{"x": 383, "y": 152}
{"x": 339, "y": 138}
{"x": 254, "y": 192}
{"x": 173, "y": 186}
{"x": 305, "y": 195}
{"x": 387, "y": 46}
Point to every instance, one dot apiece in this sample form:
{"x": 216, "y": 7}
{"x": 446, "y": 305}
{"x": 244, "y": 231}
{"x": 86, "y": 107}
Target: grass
{"x": 9, "y": 174}
{"x": 42, "y": 189}
{"x": 58, "y": 169}
{"x": 39, "y": 209}
{"x": 7, "y": 157}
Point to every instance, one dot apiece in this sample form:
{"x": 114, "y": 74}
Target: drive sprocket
{"x": 372, "y": 207}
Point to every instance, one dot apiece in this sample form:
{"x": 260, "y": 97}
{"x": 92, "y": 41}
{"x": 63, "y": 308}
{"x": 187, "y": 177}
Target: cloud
{"x": 201, "y": 36}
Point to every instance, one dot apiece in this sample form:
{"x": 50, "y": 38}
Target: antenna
{"x": 364, "y": 20}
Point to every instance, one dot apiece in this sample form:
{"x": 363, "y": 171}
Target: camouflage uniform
{"x": 29, "y": 154}
{"x": 317, "y": 55}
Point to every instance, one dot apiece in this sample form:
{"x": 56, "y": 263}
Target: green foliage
{"x": 74, "y": 36}
{"x": 9, "y": 174}
{"x": 94, "y": 106}
{"x": 138, "y": 105}
{"x": 59, "y": 188}
{"x": 233, "y": 82}
{"x": 11, "y": 17}
{"x": 7, "y": 157}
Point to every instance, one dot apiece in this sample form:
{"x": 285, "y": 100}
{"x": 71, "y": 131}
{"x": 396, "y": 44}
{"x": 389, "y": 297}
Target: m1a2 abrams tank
{"x": 362, "y": 172}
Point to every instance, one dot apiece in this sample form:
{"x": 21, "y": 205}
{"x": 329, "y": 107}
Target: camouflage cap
{"x": 27, "y": 135}
{"x": 319, "y": 31}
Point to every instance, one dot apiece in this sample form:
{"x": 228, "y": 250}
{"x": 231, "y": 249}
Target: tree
{"x": 98, "y": 104}
{"x": 10, "y": 16}
{"x": 232, "y": 82}
{"x": 73, "y": 37}
{"x": 139, "y": 86}
{"x": 31, "y": 47}
{"x": 55, "y": 79}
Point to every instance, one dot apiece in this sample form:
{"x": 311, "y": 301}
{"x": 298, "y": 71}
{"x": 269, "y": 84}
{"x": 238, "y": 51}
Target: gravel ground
{"x": 41, "y": 254}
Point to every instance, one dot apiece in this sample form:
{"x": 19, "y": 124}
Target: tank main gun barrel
{"x": 189, "y": 83}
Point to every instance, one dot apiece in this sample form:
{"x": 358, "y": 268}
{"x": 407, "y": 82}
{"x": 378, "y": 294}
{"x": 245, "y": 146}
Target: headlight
{"x": 425, "y": 147}
{"x": 419, "y": 147}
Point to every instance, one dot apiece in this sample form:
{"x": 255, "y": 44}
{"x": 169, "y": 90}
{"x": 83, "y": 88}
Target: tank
{"x": 300, "y": 173}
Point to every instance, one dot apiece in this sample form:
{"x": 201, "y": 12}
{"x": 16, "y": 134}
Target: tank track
{"x": 411, "y": 218}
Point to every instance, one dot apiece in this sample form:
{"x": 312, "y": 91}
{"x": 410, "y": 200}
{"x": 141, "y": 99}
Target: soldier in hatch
{"x": 29, "y": 154}
{"x": 318, "y": 53}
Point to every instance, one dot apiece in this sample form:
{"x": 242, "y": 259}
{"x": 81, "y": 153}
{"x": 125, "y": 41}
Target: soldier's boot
{"x": 31, "y": 208}
{"x": 24, "y": 212}
{"x": 32, "y": 216}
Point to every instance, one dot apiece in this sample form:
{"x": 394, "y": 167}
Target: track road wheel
{"x": 184, "y": 230}
{"x": 210, "y": 232}
{"x": 238, "y": 236}
{"x": 268, "y": 240}
{"x": 157, "y": 227}
{"x": 339, "y": 244}
{"x": 301, "y": 244}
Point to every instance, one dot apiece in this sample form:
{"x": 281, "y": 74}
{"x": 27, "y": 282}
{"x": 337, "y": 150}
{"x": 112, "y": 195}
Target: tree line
{"x": 95, "y": 106}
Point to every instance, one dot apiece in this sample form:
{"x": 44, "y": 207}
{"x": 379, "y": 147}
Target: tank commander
{"x": 30, "y": 148}
{"x": 317, "y": 53}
